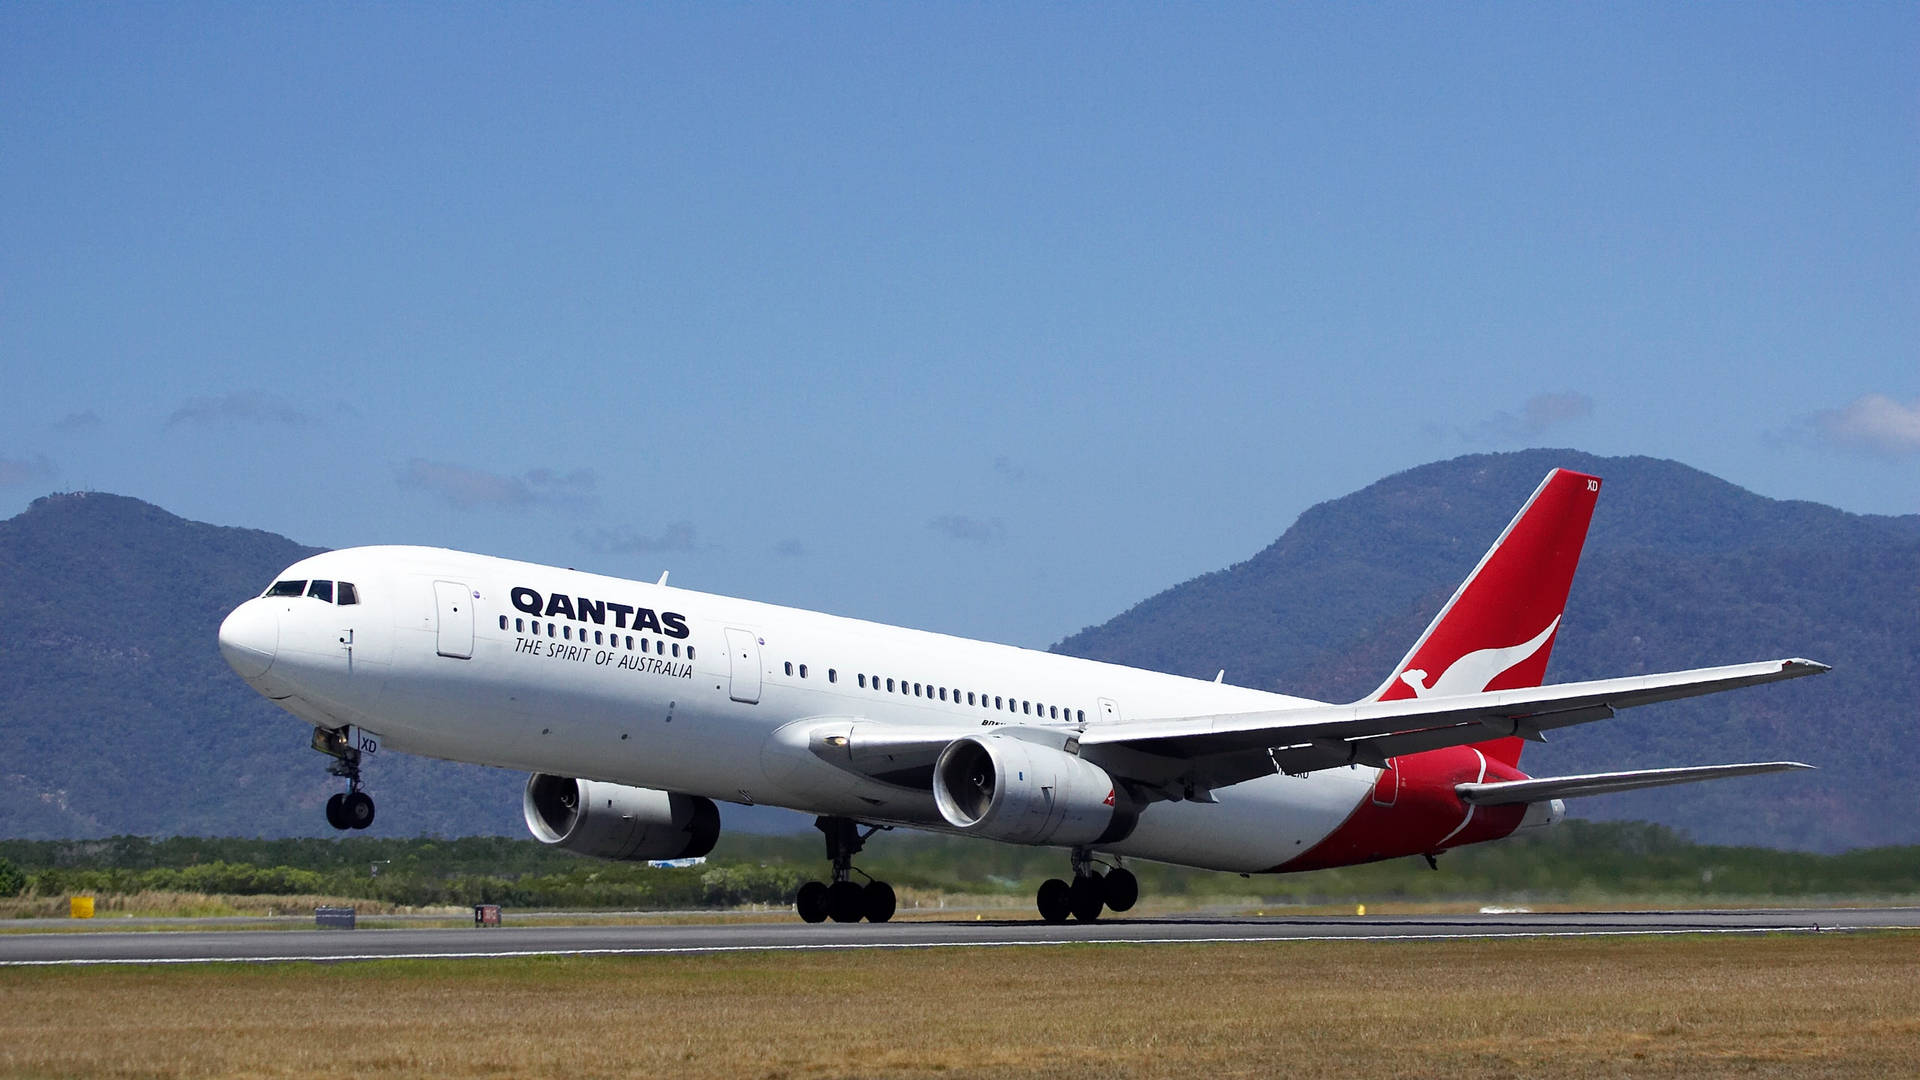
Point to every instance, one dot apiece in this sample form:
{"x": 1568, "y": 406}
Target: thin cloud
{"x": 1874, "y": 423}
{"x": 676, "y": 536}
{"x": 1540, "y": 414}
{"x": 790, "y": 549}
{"x": 972, "y": 530}
{"x": 469, "y": 488}
{"x": 1008, "y": 470}
{"x": 78, "y": 421}
{"x": 246, "y": 407}
{"x": 17, "y": 471}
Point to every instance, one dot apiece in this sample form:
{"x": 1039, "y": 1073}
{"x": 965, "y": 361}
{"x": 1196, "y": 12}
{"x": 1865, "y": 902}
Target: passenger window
{"x": 1053, "y": 712}
{"x": 803, "y": 667}
{"x": 287, "y": 588}
{"x": 321, "y": 591}
{"x": 789, "y": 667}
{"x": 550, "y": 632}
{"x": 1026, "y": 707}
{"x": 996, "y": 701}
{"x": 503, "y": 622}
{"x": 567, "y": 632}
{"x": 832, "y": 675}
{"x": 347, "y": 595}
{"x": 1080, "y": 716}
{"x": 689, "y": 652}
{"x": 861, "y": 681}
{"x": 629, "y": 641}
{"x": 596, "y": 637}
{"x": 519, "y": 626}
{"x": 889, "y": 686}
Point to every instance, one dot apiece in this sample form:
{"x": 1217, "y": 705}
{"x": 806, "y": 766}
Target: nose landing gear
{"x": 353, "y": 808}
{"x": 845, "y": 900}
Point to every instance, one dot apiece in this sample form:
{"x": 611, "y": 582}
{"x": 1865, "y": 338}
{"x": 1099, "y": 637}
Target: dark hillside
{"x": 118, "y": 714}
{"x": 1681, "y": 569}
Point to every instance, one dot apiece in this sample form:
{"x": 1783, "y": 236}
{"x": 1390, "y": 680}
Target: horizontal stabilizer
{"x": 1504, "y": 792}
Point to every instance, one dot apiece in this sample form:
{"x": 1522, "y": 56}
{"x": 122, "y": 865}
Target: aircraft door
{"x": 1386, "y": 788}
{"x": 455, "y": 627}
{"x": 743, "y": 660}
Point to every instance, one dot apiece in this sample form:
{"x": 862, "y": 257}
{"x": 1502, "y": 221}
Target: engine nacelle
{"x": 613, "y": 821}
{"x": 1020, "y": 792}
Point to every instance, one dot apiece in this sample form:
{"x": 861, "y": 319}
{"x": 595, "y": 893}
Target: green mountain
{"x": 117, "y": 714}
{"x": 1680, "y": 570}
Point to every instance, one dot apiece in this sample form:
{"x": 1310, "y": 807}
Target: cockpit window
{"x": 322, "y": 591}
{"x": 287, "y": 588}
{"x": 348, "y": 594}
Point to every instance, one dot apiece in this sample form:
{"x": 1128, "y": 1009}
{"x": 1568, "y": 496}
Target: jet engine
{"x": 613, "y": 821}
{"x": 1021, "y": 792}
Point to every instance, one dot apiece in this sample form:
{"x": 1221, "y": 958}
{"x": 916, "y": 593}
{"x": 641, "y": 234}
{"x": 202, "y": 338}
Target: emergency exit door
{"x": 743, "y": 662}
{"x": 455, "y": 625}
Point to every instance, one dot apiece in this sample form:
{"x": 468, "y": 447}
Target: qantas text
{"x": 582, "y": 609}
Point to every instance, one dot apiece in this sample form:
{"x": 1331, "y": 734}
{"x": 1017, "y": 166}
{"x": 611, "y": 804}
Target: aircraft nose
{"x": 249, "y": 638}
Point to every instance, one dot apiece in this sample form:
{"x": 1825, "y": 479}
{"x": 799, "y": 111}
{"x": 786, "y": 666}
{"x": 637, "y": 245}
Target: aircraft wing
{"x": 1213, "y": 751}
{"x": 1540, "y": 789}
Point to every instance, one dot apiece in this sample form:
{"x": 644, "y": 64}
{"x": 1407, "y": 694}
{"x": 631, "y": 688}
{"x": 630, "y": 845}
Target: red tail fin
{"x": 1498, "y": 630}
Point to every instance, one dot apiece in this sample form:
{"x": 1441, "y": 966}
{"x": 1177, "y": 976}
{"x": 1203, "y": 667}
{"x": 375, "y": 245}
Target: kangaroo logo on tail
{"x": 1475, "y": 671}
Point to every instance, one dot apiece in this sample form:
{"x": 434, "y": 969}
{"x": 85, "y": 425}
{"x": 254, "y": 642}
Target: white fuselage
{"x": 472, "y": 658}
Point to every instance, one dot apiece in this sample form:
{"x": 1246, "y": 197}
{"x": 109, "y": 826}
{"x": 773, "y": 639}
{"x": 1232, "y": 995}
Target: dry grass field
{"x": 1782, "y": 1006}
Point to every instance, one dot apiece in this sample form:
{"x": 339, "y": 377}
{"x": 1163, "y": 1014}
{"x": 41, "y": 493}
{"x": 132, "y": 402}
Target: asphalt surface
{"x": 190, "y": 946}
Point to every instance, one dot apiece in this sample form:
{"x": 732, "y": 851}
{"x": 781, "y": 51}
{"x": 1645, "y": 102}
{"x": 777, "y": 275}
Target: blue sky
{"x": 985, "y": 318}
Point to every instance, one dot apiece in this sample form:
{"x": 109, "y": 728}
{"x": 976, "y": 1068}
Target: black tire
{"x": 358, "y": 809}
{"x": 1122, "y": 889}
{"x": 1055, "y": 900}
{"x": 1087, "y": 895}
{"x": 811, "y": 902}
{"x": 846, "y": 902}
{"x": 337, "y": 811}
{"x": 880, "y": 901}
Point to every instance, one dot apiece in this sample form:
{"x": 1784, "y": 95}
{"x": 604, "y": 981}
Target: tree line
{"x": 1577, "y": 860}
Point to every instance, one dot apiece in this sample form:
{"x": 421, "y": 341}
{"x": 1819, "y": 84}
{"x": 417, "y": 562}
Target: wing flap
{"x": 1540, "y": 789}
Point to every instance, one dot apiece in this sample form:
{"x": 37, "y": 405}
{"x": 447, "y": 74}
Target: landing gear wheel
{"x": 1086, "y": 896}
{"x": 846, "y": 902}
{"x": 879, "y": 900}
{"x": 1055, "y": 900}
{"x": 357, "y": 808}
{"x": 811, "y": 902}
{"x": 337, "y": 811}
{"x": 1121, "y": 889}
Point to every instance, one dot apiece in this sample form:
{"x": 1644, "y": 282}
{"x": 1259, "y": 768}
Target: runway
{"x": 282, "y": 946}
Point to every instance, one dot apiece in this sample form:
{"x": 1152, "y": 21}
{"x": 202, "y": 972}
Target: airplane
{"x": 637, "y": 707}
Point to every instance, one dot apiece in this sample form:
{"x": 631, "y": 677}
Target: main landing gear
{"x": 1090, "y": 892}
{"x": 352, "y": 808}
{"x": 845, "y": 900}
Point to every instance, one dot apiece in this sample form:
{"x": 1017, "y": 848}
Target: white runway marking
{"x": 671, "y": 950}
